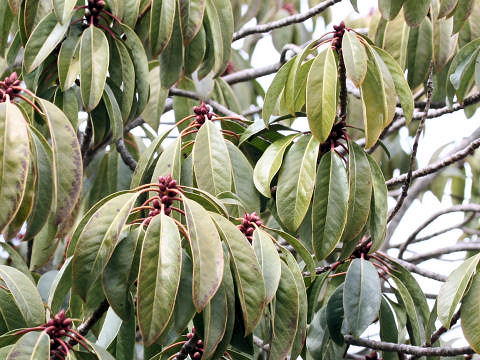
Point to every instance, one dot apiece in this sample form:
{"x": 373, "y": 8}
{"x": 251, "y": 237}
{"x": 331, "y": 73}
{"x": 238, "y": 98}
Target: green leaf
{"x": 360, "y": 192}
{"x": 388, "y": 328}
{"x": 31, "y": 346}
{"x": 114, "y": 113}
{"x": 274, "y": 91}
{"x": 98, "y": 239}
{"x": 355, "y": 57}
{"x": 25, "y": 295}
{"x": 15, "y": 159}
{"x": 125, "y": 78}
{"x": 94, "y": 58}
{"x": 211, "y": 162}
{"x": 468, "y": 315}
{"x": 191, "y": 16}
{"x": 246, "y": 271}
{"x": 60, "y": 286}
{"x": 335, "y": 315}
{"x": 374, "y": 102}
{"x": 461, "y": 71}
{"x": 419, "y": 53}
{"x": 415, "y": 11}
{"x": 158, "y": 277}
{"x": 214, "y": 50}
{"x": 162, "y": 17}
{"x": 379, "y": 206}
{"x": 269, "y": 163}
{"x": 390, "y": 8}
{"x": 68, "y": 62}
{"x": 207, "y": 253}
{"x": 215, "y": 317}
{"x": 452, "y": 291}
{"x": 329, "y": 207}
{"x": 447, "y": 7}
{"x": 401, "y": 85}
{"x": 269, "y": 261}
{"x": 171, "y": 58}
{"x": 321, "y": 95}
{"x": 169, "y": 161}
{"x": 361, "y": 295}
{"x": 225, "y": 17}
{"x": 43, "y": 40}
{"x": 286, "y": 315}
{"x": 67, "y": 160}
{"x": 63, "y": 9}
{"x": 296, "y": 181}
{"x": 184, "y": 307}
{"x": 205, "y": 199}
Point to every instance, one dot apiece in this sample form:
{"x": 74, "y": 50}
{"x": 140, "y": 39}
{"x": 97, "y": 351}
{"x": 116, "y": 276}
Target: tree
{"x": 238, "y": 237}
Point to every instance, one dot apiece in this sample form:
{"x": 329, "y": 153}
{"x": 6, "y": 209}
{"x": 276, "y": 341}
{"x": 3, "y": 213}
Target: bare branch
{"x": 423, "y": 272}
{"x": 465, "y": 246}
{"x": 125, "y": 154}
{"x": 408, "y": 349}
{"x": 85, "y": 327}
{"x": 289, "y": 20}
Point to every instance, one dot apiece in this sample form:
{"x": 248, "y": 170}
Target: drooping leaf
{"x": 60, "y": 286}
{"x": 159, "y": 276}
{"x": 469, "y": 309}
{"x": 32, "y": 345}
{"x": 63, "y": 9}
{"x": 335, "y": 315}
{"x": 171, "y": 58}
{"x": 419, "y": 53}
{"x": 191, "y": 16}
{"x": 161, "y": 24}
{"x": 215, "y": 317}
{"x": 329, "y": 207}
{"x": 390, "y": 8}
{"x": 355, "y": 58}
{"x": 415, "y": 11}
{"x": 68, "y": 62}
{"x": 379, "y": 205}
{"x": 388, "y": 328}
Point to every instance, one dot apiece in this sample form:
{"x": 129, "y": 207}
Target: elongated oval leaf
{"x": 379, "y": 205}
{"x": 419, "y": 52}
{"x": 215, "y": 317}
{"x": 94, "y": 57}
{"x": 469, "y": 310}
{"x": 415, "y": 11}
{"x": 191, "y": 16}
{"x": 296, "y": 181}
{"x": 361, "y": 295}
{"x": 31, "y": 346}
{"x": 355, "y": 58}
{"x": 211, "y": 162}
{"x": 329, "y": 207}
{"x": 63, "y": 9}
{"x": 390, "y": 8}
{"x": 161, "y": 24}
{"x": 207, "y": 253}
{"x": 158, "y": 277}
{"x": 68, "y": 62}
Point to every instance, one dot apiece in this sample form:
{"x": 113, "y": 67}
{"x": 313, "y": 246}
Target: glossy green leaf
{"x": 225, "y": 17}
{"x": 335, "y": 315}
{"x": 246, "y": 271}
{"x": 388, "y": 328}
{"x": 97, "y": 241}
{"x": 33, "y": 12}
{"x": 214, "y": 51}
{"x": 207, "y": 253}
{"x": 355, "y": 58}
{"x": 419, "y": 53}
{"x": 25, "y": 295}
{"x": 211, "y": 162}
{"x": 215, "y": 317}
{"x": 67, "y": 160}
{"x": 269, "y": 261}
{"x": 379, "y": 205}
{"x": 43, "y": 40}
{"x": 158, "y": 277}
{"x": 361, "y": 295}
{"x": 125, "y": 79}
{"x": 63, "y": 9}
{"x": 94, "y": 58}
{"x": 191, "y": 16}
{"x": 15, "y": 154}
{"x": 286, "y": 315}
{"x": 206, "y": 200}
{"x": 329, "y": 207}
{"x": 470, "y": 307}
{"x": 114, "y": 113}
{"x": 462, "y": 67}
{"x": 171, "y": 58}
{"x": 60, "y": 286}
{"x": 169, "y": 161}
{"x": 390, "y": 8}
{"x": 162, "y": 17}
{"x": 360, "y": 192}
{"x": 269, "y": 163}
{"x": 415, "y": 11}
{"x": 321, "y": 98}
{"x": 452, "y": 291}
{"x": 68, "y": 62}
{"x": 195, "y": 51}
{"x": 31, "y": 346}
{"x": 296, "y": 181}
{"x": 184, "y": 307}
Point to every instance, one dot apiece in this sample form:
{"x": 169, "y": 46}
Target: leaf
{"x": 374, "y": 102}
{"x": 355, "y": 57}
{"x": 158, "y": 277}
{"x": 470, "y": 322}
{"x": 215, "y": 317}
{"x": 378, "y": 207}
{"x": 211, "y": 161}
{"x": 184, "y": 307}
{"x": 443, "y": 43}
{"x": 460, "y": 73}
{"x": 94, "y": 58}
{"x": 63, "y": 9}
{"x": 415, "y": 11}
{"x": 43, "y": 40}
{"x": 171, "y": 58}
{"x": 274, "y": 91}
{"x": 269, "y": 163}
{"x": 419, "y": 53}
{"x": 360, "y": 192}
{"x": 452, "y": 291}
{"x": 60, "y": 286}
{"x": 225, "y": 17}
{"x": 388, "y": 328}
{"x": 269, "y": 261}
{"x": 191, "y": 16}
{"x": 447, "y": 7}
{"x": 67, "y": 160}
{"x": 32, "y": 345}
{"x": 286, "y": 315}
{"x": 321, "y": 98}
{"x": 114, "y": 113}
{"x": 121, "y": 60}
{"x": 25, "y": 295}
{"x": 361, "y": 295}
{"x": 246, "y": 271}
{"x": 335, "y": 315}
{"x": 162, "y": 17}
{"x": 169, "y": 161}
{"x": 207, "y": 253}
{"x": 401, "y": 85}
{"x": 110, "y": 328}
{"x": 68, "y": 62}
{"x": 390, "y": 8}
{"x": 97, "y": 241}
{"x": 329, "y": 207}
{"x": 15, "y": 159}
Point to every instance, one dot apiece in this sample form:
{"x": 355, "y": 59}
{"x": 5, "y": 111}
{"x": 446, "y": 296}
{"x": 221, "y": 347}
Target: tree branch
{"x": 289, "y": 20}
{"x": 408, "y": 349}
{"x": 85, "y": 327}
{"x": 423, "y": 272}
{"x": 125, "y": 154}
{"x": 465, "y": 246}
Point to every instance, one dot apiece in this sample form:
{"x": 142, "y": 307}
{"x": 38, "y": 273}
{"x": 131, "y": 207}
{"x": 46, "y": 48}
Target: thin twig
{"x": 462, "y": 246}
{"x": 85, "y": 327}
{"x": 125, "y": 154}
{"x": 86, "y": 138}
{"x": 413, "y": 156}
{"x": 423, "y": 272}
